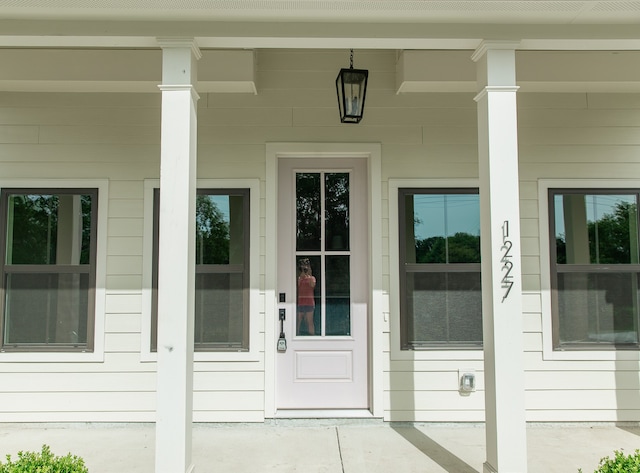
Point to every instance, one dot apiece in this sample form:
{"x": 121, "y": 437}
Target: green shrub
{"x": 43, "y": 462}
{"x": 620, "y": 463}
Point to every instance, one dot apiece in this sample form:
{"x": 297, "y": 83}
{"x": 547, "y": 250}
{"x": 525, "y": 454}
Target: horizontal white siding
{"x": 113, "y": 136}
{"x": 430, "y": 135}
{"x": 561, "y": 136}
{"x": 592, "y": 136}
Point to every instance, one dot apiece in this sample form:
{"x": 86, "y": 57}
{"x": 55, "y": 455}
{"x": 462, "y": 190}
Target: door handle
{"x": 282, "y": 341}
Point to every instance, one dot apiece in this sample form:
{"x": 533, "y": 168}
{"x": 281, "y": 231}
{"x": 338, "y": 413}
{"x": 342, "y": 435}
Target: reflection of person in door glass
{"x": 306, "y": 300}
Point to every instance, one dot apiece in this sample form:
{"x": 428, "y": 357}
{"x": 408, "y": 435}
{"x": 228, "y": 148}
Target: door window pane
{"x": 308, "y": 295}
{"x": 338, "y": 300}
{"x": 337, "y": 211}
{"x": 308, "y": 211}
{"x": 327, "y": 255}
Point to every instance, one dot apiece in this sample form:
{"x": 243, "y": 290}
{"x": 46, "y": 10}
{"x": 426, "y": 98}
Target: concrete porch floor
{"x": 323, "y": 446}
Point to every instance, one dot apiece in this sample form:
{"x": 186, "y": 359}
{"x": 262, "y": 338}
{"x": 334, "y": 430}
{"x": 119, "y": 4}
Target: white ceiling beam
{"x": 261, "y": 42}
{"x": 537, "y": 71}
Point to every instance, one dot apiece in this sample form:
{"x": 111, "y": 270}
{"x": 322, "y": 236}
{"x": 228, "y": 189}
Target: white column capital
{"x": 496, "y": 88}
{"x": 486, "y": 46}
{"x": 180, "y": 43}
{"x": 179, "y": 61}
{"x": 180, "y": 87}
{"x": 495, "y": 64}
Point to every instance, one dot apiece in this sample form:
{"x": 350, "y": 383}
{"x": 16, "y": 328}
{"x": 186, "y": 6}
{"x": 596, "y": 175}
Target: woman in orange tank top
{"x": 306, "y": 296}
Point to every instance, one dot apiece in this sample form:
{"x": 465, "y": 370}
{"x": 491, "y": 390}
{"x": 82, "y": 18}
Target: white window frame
{"x": 545, "y": 270}
{"x": 394, "y": 273}
{"x": 97, "y": 355}
{"x": 255, "y": 310}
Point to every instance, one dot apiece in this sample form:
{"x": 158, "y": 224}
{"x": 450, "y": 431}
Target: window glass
{"x": 445, "y": 229}
{"x": 337, "y": 211}
{"x": 596, "y": 229}
{"x": 338, "y": 295}
{"x": 308, "y": 203}
{"x": 48, "y": 269}
{"x": 222, "y": 272}
{"x": 48, "y": 229}
{"x": 46, "y": 309}
{"x": 595, "y": 270}
{"x": 598, "y": 308}
{"x": 444, "y": 307}
{"x": 219, "y": 301}
{"x": 323, "y": 254}
{"x": 219, "y": 239}
{"x": 441, "y": 303}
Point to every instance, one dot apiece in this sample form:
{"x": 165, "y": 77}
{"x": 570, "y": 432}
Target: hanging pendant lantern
{"x": 351, "y": 85}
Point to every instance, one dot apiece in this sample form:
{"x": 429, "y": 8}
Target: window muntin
{"x": 441, "y": 295}
{"x": 222, "y": 270}
{"x": 48, "y": 241}
{"x": 595, "y": 267}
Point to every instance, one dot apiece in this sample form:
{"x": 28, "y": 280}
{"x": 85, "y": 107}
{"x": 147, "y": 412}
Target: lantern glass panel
{"x": 351, "y": 86}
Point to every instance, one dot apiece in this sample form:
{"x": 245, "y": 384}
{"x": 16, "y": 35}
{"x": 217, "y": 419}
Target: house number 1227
{"x": 507, "y": 264}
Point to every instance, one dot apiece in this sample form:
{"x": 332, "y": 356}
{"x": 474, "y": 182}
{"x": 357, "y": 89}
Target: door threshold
{"x": 323, "y": 414}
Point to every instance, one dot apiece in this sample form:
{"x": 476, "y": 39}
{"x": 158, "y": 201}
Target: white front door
{"x": 323, "y": 284}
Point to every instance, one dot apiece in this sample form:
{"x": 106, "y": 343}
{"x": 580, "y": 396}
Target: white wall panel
{"x": 122, "y": 323}
{"x": 88, "y": 382}
{"x": 126, "y": 227}
{"x": 433, "y": 400}
{"x": 78, "y": 401}
{"x": 18, "y": 134}
{"x": 124, "y": 282}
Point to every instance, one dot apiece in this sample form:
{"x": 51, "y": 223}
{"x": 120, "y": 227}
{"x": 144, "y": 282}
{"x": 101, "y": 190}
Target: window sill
{"x": 576, "y": 354}
{"x": 431, "y": 354}
{"x": 51, "y": 357}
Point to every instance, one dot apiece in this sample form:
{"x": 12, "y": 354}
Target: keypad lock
{"x": 282, "y": 341}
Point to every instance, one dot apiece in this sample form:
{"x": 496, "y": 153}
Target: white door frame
{"x": 373, "y": 154}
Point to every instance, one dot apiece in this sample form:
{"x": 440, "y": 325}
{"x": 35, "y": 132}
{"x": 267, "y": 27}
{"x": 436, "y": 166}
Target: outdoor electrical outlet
{"x": 467, "y": 380}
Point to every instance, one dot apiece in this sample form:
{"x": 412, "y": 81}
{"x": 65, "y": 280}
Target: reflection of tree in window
{"x": 34, "y": 237}
{"x": 440, "y": 269}
{"x": 612, "y": 237}
{"x": 212, "y": 230}
{"x": 337, "y": 211}
{"x": 609, "y": 236}
{"x": 459, "y": 248}
{"x": 308, "y": 211}
{"x": 50, "y": 302}
{"x": 596, "y": 237}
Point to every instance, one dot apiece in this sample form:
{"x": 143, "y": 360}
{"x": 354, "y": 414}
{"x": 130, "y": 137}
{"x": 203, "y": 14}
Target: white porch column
{"x": 176, "y": 258}
{"x": 501, "y": 272}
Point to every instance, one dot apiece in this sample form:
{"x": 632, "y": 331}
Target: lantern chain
{"x": 351, "y": 60}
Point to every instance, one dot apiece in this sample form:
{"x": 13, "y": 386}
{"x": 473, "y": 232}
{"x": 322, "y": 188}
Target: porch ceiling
{"x": 322, "y": 24}
{"x": 434, "y": 11}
